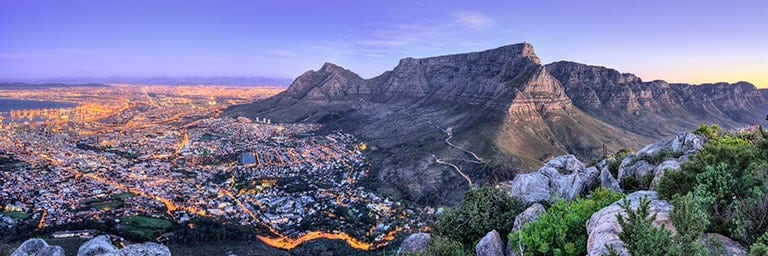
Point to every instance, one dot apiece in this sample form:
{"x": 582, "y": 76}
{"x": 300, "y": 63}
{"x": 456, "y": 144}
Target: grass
{"x": 145, "y": 227}
{"x": 16, "y": 215}
{"x": 146, "y": 222}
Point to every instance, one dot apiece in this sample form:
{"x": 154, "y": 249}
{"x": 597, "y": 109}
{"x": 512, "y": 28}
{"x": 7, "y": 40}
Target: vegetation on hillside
{"x": 560, "y": 231}
{"x": 482, "y": 210}
{"x": 729, "y": 179}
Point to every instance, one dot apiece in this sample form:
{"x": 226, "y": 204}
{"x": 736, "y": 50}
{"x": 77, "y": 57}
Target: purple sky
{"x": 679, "y": 41}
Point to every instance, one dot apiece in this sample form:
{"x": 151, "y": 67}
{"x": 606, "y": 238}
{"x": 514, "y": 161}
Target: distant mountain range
{"x": 164, "y": 80}
{"x": 501, "y": 104}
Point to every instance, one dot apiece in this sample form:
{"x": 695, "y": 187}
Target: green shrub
{"x": 443, "y": 246}
{"x": 690, "y": 220}
{"x": 615, "y": 162}
{"x": 729, "y": 176}
{"x": 482, "y": 210}
{"x": 758, "y": 249}
{"x": 560, "y": 231}
{"x": 639, "y": 234}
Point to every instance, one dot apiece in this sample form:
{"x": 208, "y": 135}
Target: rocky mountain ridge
{"x": 501, "y": 104}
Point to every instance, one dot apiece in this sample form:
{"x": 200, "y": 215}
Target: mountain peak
{"x": 524, "y": 49}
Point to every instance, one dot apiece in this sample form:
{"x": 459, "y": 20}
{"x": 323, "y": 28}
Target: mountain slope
{"x": 500, "y": 104}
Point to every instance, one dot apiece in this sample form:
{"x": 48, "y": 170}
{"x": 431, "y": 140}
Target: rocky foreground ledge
{"x": 98, "y": 246}
{"x": 566, "y": 177}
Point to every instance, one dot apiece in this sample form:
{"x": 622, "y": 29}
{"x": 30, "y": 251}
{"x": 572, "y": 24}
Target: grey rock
{"x": 718, "y": 244}
{"x": 529, "y": 215}
{"x": 415, "y": 243}
{"x": 100, "y": 245}
{"x": 564, "y": 176}
{"x": 603, "y": 227}
{"x": 669, "y": 165}
{"x": 684, "y": 142}
{"x": 638, "y": 170}
{"x": 37, "y": 247}
{"x": 490, "y": 245}
{"x": 608, "y": 181}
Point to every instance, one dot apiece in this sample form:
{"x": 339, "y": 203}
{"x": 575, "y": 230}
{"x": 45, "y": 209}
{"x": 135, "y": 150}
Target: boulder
{"x": 564, "y": 176}
{"x": 640, "y": 170}
{"x": 603, "y": 227}
{"x": 684, "y": 142}
{"x": 529, "y": 215}
{"x": 38, "y": 247}
{"x": 490, "y": 245}
{"x": 669, "y": 165}
{"x": 608, "y": 181}
{"x": 414, "y": 243}
{"x": 100, "y": 245}
{"x": 718, "y": 244}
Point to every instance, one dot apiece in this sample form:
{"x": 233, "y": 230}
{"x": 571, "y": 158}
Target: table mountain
{"x": 494, "y": 113}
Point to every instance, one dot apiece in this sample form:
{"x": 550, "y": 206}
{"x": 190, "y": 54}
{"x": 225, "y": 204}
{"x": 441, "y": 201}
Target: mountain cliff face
{"x": 500, "y": 104}
{"x": 657, "y": 108}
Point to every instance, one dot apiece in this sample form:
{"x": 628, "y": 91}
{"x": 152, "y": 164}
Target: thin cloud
{"x": 475, "y": 20}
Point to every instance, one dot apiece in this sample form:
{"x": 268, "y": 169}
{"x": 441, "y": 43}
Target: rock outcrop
{"x": 603, "y": 227}
{"x": 529, "y": 215}
{"x": 670, "y": 151}
{"x": 563, "y": 176}
{"x": 102, "y": 246}
{"x": 414, "y": 243}
{"x": 608, "y": 181}
{"x": 718, "y": 244}
{"x": 490, "y": 245}
{"x": 38, "y": 247}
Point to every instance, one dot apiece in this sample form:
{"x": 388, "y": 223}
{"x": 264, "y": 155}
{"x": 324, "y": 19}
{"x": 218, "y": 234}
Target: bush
{"x": 482, "y": 210}
{"x": 729, "y": 176}
{"x": 639, "y": 234}
{"x": 443, "y": 246}
{"x": 560, "y": 231}
{"x": 615, "y": 162}
{"x": 758, "y": 249}
{"x": 690, "y": 220}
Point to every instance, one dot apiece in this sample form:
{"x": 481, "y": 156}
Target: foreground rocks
{"x": 38, "y": 247}
{"x": 676, "y": 149}
{"x": 102, "y": 246}
{"x": 415, "y": 243}
{"x": 564, "y": 176}
{"x": 490, "y": 245}
{"x": 530, "y": 214}
{"x": 98, "y": 246}
{"x": 603, "y": 227}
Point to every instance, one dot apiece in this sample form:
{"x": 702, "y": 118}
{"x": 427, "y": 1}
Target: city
{"x": 164, "y": 153}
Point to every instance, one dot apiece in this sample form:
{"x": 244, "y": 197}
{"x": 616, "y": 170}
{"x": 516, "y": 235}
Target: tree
{"x": 639, "y": 234}
{"x": 443, "y": 246}
{"x": 690, "y": 220}
{"x": 482, "y": 210}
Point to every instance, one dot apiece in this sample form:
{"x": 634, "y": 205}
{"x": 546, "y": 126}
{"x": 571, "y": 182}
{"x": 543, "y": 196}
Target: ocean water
{"x": 6, "y": 105}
